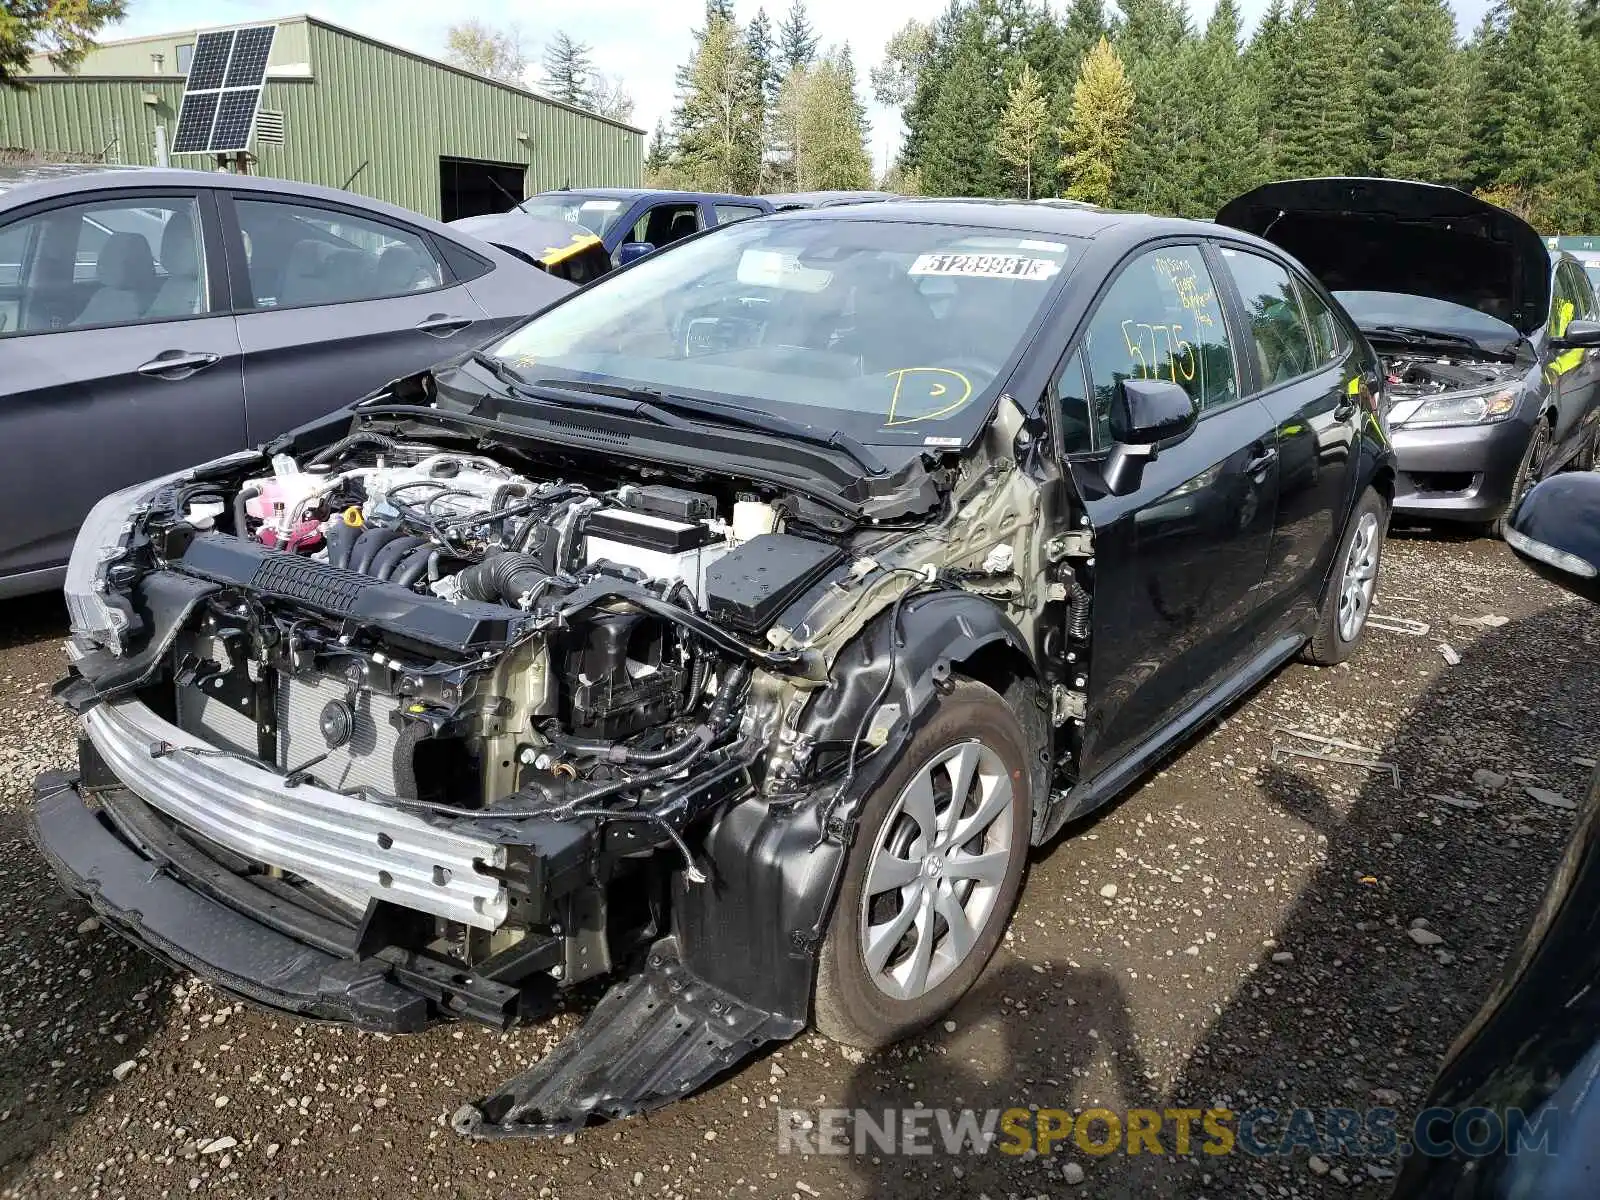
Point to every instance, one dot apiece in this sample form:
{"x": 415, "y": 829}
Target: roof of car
{"x": 65, "y": 183}
{"x": 825, "y": 199}
{"x": 611, "y": 193}
{"x": 15, "y": 174}
{"x": 1001, "y": 214}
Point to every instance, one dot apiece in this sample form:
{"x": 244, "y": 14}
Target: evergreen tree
{"x": 758, "y": 38}
{"x": 1528, "y": 120}
{"x": 1102, "y": 121}
{"x": 1085, "y": 25}
{"x": 1270, "y": 65}
{"x": 568, "y": 70}
{"x": 717, "y": 131}
{"x": 797, "y": 40}
{"x": 827, "y": 123}
{"x": 1161, "y": 168}
{"x": 1230, "y": 150}
{"x": 1020, "y": 139}
{"x": 1416, "y": 93}
{"x": 954, "y": 150}
{"x": 63, "y": 32}
{"x": 1321, "y": 129}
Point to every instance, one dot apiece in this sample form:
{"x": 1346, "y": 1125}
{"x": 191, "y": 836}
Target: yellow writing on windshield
{"x": 925, "y": 394}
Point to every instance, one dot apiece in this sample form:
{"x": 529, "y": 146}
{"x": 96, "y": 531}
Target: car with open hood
{"x": 1488, "y": 337}
{"x": 560, "y": 248}
{"x": 731, "y": 630}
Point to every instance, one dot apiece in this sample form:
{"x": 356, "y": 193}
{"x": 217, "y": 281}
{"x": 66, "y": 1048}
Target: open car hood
{"x": 546, "y": 242}
{"x": 1395, "y": 235}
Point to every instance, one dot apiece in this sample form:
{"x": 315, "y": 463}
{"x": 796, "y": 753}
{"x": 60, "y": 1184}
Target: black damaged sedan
{"x": 731, "y": 630}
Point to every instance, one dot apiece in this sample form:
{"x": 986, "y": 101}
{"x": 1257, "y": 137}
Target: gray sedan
{"x": 151, "y": 319}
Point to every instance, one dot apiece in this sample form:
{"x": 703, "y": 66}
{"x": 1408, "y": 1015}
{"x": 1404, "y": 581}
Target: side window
{"x": 108, "y": 262}
{"x": 1277, "y": 327}
{"x": 666, "y": 223}
{"x": 1159, "y": 320}
{"x": 298, "y": 255}
{"x": 1326, "y": 341}
{"x": 727, "y": 214}
{"x": 185, "y": 57}
{"x": 1573, "y": 288}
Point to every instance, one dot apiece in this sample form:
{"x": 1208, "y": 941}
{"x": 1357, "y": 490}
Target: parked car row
{"x": 733, "y": 626}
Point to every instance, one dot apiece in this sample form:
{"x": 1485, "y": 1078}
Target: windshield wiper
{"x": 1411, "y": 334}
{"x": 561, "y": 394}
{"x": 730, "y": 414}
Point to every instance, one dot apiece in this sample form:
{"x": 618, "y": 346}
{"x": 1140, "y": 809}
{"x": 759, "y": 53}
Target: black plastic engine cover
{"x": 462, "y": 626}
{"x": 750, "y": 585}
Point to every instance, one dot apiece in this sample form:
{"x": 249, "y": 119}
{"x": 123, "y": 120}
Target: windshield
{"x": 888, "y": 331}
{"x": 597, "y": 214}
{"x": 1372, "y": 309}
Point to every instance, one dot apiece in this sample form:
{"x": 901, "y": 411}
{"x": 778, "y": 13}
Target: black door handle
{"x": 1261, "y": 461}
{"x": 441, "y": 326}
{"x": 177, "y": 364}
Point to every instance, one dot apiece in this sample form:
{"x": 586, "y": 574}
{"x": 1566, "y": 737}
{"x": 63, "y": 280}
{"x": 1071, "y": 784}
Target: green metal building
{"x": 339, "y": 109}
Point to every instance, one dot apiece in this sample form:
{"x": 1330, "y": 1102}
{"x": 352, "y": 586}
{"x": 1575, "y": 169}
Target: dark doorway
{"x": 471, "y": 187}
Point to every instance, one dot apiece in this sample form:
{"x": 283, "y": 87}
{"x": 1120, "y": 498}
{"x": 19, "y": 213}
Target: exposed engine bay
{"x": 1410, "y": 376}
{"x": 479, "y": 719}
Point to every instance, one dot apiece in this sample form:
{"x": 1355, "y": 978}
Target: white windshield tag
{"x": 985, "y": 266}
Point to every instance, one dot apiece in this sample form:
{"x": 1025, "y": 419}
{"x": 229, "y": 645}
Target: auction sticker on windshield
{"x": 985, "y": 266}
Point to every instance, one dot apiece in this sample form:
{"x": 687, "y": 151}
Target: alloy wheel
{"x": 1360, "y": 578}
{"x": 936, "y": 871}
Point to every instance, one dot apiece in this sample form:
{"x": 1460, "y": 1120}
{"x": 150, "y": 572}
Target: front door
{"x": 113, "y": 368}
{"x": 1298, "y": 351}
{"x": 1178, "y": 562}
{"x": 334, "y": 303}
{"x": 1575, "y": 373}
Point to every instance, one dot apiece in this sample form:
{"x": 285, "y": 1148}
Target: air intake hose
{"x": 503, "y": 578}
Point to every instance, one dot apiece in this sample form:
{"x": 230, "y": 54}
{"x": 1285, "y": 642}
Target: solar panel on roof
{"x": 194, "y": 123}
{"x": 209, "y": 66}
{"x": 223, "y": 91}
{"x": 248, "y": 66}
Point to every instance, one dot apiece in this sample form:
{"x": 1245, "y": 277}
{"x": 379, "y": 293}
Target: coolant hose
{"x": 368, "y": 545}
{"x": 240, "y": 515}
{"x": 362, "y": 438}
{"x": 502, "y": 578}
{"x": 388, "y": 557}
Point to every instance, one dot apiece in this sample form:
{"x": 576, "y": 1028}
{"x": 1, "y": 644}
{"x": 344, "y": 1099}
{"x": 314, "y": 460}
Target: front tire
{"x": 1347, "y": 598}
{"x": 1529, "y": 471}
{"x": 933, "y": 874}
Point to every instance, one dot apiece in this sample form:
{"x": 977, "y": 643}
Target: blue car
{"x": 631, "y": 222}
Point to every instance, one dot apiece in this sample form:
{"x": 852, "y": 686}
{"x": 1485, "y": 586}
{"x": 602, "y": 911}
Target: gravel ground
{"x": 1234, "y": 932}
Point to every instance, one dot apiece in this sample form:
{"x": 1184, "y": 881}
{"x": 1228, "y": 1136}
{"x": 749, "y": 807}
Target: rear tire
{"x": 1347, "y": 597}
{"x": 891, "y": 961}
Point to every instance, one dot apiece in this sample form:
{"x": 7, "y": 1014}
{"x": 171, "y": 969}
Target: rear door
{"x": 1576, "y": 373}
{"x": 1179, "y": 561}
{"x": 118, "y": 359}
{"x": 334, "y": 302}
{"x": 1298, "y": 351}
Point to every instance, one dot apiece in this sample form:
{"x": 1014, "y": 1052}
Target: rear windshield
{"x": 890, "y": 331}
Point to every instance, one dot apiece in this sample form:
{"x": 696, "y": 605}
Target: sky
{"x": 643, "y": 41}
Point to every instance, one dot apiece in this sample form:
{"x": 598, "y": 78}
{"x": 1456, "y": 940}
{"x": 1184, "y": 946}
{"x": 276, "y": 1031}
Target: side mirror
{"x": 1145, "y": 413}
{"x": 633, "y": 251}
{"x": 1580, "y": 334}
{"x": 1556, "y": 531}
